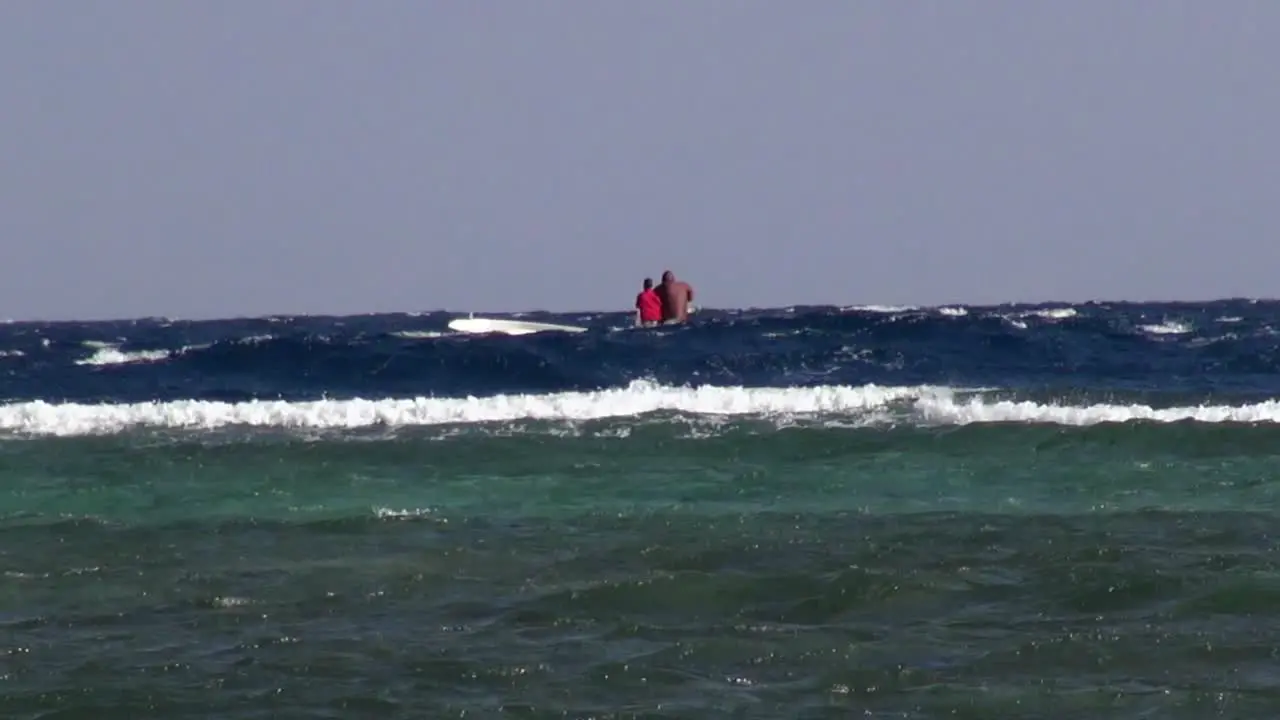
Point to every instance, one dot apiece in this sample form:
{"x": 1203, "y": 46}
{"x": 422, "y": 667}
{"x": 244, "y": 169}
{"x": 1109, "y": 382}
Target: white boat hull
{"x": 484, "y": 326}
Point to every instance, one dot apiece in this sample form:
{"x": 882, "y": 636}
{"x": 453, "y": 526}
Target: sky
{"x": 217, "y": 158}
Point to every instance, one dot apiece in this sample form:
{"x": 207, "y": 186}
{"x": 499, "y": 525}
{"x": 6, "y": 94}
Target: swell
{"x": 1225, "y": 348}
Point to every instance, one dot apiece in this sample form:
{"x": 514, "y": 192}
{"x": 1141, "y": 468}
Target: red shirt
{"x": 650, "y": 306}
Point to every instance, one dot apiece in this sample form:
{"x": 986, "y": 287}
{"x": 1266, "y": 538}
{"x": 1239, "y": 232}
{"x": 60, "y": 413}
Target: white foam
{"x": 1019, "y": 319}
{"x": 108, "y": 354}
{"x": 1168, "y": 327}
{"x": 832, "y": 405}
{"x": 114, "y": 356}
{"x": 1051, "y": 313}
{"x": 384, "y": 513}
{"x": 42, "y": 418}
{"x": 949, "y": 411}
{"x": 422, "y": 334}
{"x": 880, "y": 308}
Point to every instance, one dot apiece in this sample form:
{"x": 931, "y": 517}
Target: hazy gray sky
{"x": 225, "y": 157}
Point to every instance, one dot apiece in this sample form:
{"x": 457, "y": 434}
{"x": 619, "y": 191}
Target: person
{"x": 648, "y": 306}
{"x": 676, "y": 296}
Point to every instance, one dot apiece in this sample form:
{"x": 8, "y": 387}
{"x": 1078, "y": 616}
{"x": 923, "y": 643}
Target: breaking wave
{"x": 863, "y": 406}
{"x": 863, "y": 366}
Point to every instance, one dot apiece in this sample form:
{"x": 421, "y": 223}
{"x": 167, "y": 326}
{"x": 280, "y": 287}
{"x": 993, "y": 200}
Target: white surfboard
{"x": 481, "y": 326}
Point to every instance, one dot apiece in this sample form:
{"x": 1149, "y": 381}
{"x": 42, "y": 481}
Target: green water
{"x": 982, "y": 571}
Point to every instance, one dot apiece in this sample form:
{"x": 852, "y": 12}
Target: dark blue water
{"x": 982, "y": 512}
{"x": 1224, "y": 348}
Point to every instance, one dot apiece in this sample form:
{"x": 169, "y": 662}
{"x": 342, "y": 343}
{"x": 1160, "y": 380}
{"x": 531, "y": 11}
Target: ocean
{"x": 1016, "y": 511}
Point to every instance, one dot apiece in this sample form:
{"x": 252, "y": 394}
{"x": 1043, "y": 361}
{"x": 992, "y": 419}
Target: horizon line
{"x": 842, "y": 306}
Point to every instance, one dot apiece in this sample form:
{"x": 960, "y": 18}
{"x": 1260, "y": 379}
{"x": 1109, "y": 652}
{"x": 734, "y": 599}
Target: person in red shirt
{"x": 648, "y": 306}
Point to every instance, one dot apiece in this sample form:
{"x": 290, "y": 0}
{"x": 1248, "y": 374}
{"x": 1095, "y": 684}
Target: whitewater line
{"x": 867, "y": 405}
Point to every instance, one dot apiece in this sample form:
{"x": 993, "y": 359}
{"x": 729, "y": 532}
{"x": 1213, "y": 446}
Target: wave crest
{"x": 840, "y": 405}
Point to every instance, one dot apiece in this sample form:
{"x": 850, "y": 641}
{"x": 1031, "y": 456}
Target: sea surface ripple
{"x": 1015, "y": 511}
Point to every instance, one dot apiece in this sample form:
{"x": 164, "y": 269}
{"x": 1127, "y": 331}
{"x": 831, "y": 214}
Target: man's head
{"x": 668, "y": 276}
{"x": 648, "y": 283}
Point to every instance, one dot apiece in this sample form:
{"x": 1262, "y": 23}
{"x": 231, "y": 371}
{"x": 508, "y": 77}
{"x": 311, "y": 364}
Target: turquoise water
{"x": 842, "y": 517}
{"x": 972, "y": 572}
{"x": 1017, "y": 470}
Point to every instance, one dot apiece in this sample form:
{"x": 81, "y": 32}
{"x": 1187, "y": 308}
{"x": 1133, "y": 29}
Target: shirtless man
{"x": 676, "y": 296}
